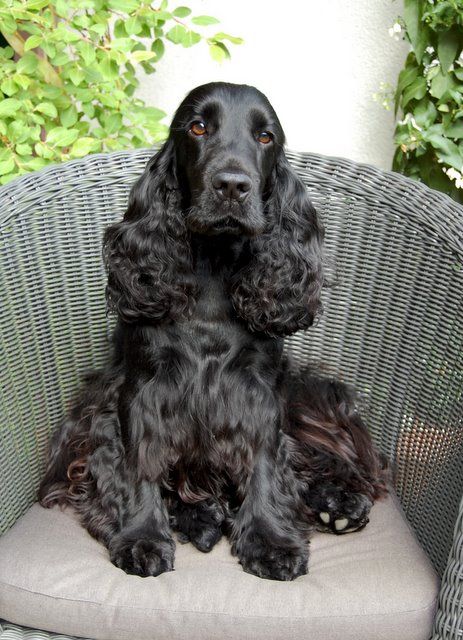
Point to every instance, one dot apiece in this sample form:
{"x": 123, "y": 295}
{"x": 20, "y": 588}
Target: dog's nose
{"x": 231, "y": 186}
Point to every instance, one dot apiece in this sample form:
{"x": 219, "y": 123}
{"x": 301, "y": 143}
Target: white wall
{"x": 318, "y": 61}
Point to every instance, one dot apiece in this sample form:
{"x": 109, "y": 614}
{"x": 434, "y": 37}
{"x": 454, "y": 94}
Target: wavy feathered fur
{"x": 196, "y": 423}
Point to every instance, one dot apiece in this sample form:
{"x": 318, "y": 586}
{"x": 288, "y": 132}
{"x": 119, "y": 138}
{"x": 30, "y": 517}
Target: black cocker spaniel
{"x": 198, "y": 424}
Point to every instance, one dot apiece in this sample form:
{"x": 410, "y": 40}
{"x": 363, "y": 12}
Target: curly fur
{"x": 196, "y": 423}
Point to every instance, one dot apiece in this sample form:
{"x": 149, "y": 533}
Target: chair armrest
{"x": 448, "y": 624}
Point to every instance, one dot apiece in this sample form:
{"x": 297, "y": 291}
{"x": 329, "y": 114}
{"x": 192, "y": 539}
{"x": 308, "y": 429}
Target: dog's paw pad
{"x": 340, "y": 524}
{"x": 339, "y": 511}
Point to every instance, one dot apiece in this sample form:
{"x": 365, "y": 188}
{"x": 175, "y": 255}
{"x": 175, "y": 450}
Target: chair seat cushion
{"x": 371, "y": 585}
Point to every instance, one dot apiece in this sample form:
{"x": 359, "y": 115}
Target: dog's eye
{"x": 264, "y": 137}
{"x": 198, "y": 128}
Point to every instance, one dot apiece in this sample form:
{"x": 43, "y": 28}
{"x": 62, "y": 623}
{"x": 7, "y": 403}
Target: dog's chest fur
{"x": 210, "y": 384}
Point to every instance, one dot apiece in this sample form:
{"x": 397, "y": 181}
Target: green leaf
{"x": 119, "y": 29}
{"x": 7, "y": 178}
{"x": 415, "y": 91}
{"x": 459, "y": 73}
{"x": 99, "y": 29}
{"x": 440, "y": 84}
{"x": 22, "y": 80}
{"x": 61, "y": 58}
{"x": 87, "y": 51}
{"x": 23, "y": 149}
{"x": 447, "y": 150}
{"x": 68, "y": 117}
{"x": 140, "y": 56}
{"x": 113, "y": 123}
{"x": 19, "y": 131}
{"x": 158, "y": 48}
{"x": 76, "y": 76}
{"x": 62, "y": 8}
{"x": 28, "y": 63}
{"x": 9, "y": 87}
{"x": 163, "y": 16}
{"x": 49, "y": 49}
{"x": 416, "y": 29}
{"x": 7, "y": 166}
{"x": 133, "y": 26}
{"x": 126, "y": 6}
{"x": 176, "y": 34}
{"x": 190, "y": 38}
{"x": 43, "y": 151}
{"x": 35, "y": 163}
{"x": 407, "y": 76}
{"x": 455, "y": 130}
{"x": 448, "y": 46}
{"x": 32, "y": 42}
{"x": 122, "y": 44}
{"x": 8, "y": 24}
{"x": 425, "y": 113}
{"x": 219, "y": 52}
{"x": 37, "y": 4}
{"x": 84, "y": 146}
{"x": 88, "y": 109}
{"x": 149, "y": 114}
{"x": 61, "y": 137}
{"x": 225, "y": 36}
{"x": 48, "y": 109}
{"x": 204, "y": 21}
{"x": 181, "y": 12}
{"x": 9, "y": 106}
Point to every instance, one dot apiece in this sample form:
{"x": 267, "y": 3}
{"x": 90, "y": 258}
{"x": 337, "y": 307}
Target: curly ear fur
{"x": 278, "y": 292}
{"x": 147, "y": 254}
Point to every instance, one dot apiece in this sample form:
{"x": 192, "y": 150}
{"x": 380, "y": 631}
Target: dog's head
{"x": 222, "y": 171}
{"x": 227, "y": 140}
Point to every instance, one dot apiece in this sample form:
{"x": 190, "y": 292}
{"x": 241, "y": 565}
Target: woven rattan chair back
{"x": 392, "y": 326}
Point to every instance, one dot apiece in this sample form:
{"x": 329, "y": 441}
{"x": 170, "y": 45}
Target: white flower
{"x": 455, "y": 175}
{"x": 395, "y": 30}
{"x": 429, "y": 49}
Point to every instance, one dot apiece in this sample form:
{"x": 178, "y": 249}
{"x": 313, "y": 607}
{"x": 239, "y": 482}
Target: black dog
{"x": 197, "y": 423}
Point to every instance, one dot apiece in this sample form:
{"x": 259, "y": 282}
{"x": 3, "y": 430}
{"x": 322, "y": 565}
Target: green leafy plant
{"x": 68, "y": 75}
{"x": 429, "y": 95}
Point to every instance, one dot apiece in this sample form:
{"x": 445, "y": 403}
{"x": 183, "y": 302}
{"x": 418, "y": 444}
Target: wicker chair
{"x": 392, "y": 327}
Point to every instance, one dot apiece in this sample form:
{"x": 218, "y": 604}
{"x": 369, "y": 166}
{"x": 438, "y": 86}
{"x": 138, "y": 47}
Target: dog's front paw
{"x": 143, "y": 557}
{"x": 198, "y": 523}
{"x": 339, "y": 511}
{"x": 272, "y": 560}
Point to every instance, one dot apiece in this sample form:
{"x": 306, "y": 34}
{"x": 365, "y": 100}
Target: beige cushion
{"x": 372, "y": 585}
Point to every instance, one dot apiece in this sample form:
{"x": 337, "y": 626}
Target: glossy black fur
{"x": 196, "y": 423}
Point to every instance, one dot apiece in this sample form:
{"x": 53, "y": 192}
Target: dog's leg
{"x": 267, "y": 534}
{"x": 333, "y": 455}
{"x": 144, "y": 545}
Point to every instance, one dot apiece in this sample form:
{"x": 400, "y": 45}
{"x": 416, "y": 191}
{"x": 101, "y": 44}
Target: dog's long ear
{"x": 147, "y": 254}
{"x": 278, "y": 291}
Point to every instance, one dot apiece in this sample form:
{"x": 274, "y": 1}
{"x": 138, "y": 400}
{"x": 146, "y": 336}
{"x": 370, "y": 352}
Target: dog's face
{"x": 227, "y": 139}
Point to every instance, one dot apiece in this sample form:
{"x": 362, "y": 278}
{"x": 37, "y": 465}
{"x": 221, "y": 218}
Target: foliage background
{"x": 319, "y": 65}
{"x": 429, "y": 95}
{"x": 68, "y": 75}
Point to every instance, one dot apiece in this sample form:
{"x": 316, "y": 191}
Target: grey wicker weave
{"x": 392, "y": 326}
